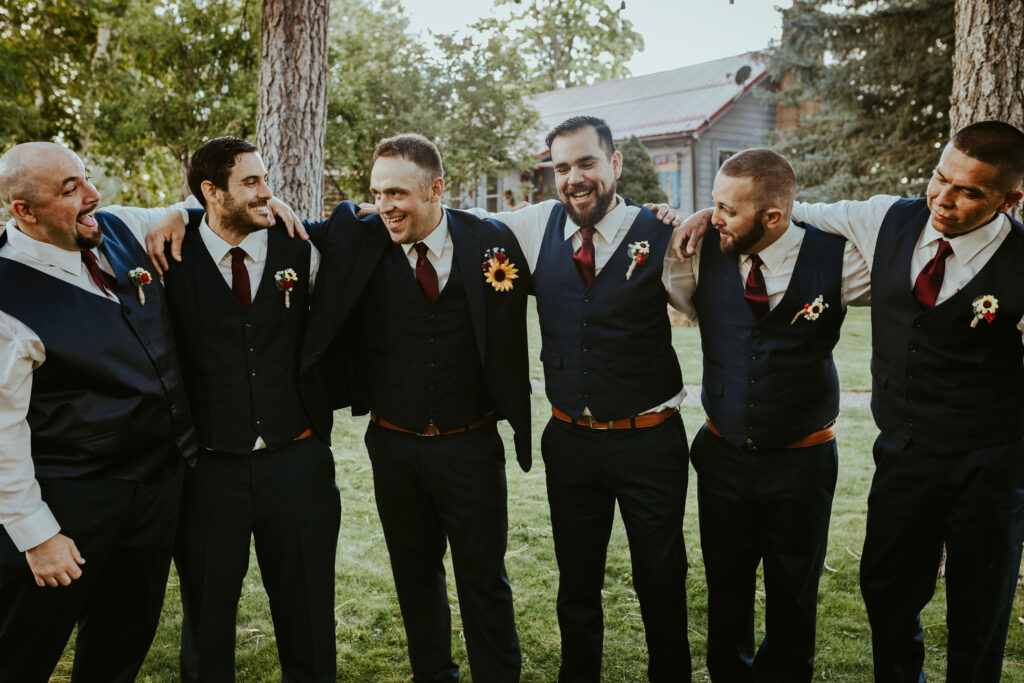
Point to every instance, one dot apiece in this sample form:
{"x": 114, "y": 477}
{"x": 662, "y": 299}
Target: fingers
{"x": 678, "y": 238}
{"x": 77, "y": 557}
{"x": 155, "y": 249}
{"x": 176, "y": 246}
{"x": 366, "y": 210}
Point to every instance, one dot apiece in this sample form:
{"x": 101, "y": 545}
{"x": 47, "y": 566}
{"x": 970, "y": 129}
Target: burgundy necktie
{"x": 105, "y": 281}
{"x": 426, "y": 276}
{"x": 929, "y": 280}
{"x": 755, "y": 292}
{"x": 240, "y": 277}
{"x": 584, "y": 256}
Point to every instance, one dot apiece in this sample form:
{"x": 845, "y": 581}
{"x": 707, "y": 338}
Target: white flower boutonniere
{"x": 637, "y": 252}
{"x": 984, "y": 309}
{"x": 139, "y": 278}
{"x": 499, "y": 271}
{"x": 285, "y": 281}
{"x": 811, "y": 311}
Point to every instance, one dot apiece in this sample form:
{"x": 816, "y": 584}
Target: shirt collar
{"x": 607, "y": 227}
{"x": 435, "y": 240}
{"x": 44, "y": 252}
{"x": 968, "y": 245}
{"x": 254, "y": 244}
{"x": 774, "y": 255}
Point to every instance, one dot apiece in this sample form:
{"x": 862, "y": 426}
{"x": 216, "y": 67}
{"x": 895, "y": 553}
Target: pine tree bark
{"x": 292, "y": 105}
{"x": 988, "y": 65}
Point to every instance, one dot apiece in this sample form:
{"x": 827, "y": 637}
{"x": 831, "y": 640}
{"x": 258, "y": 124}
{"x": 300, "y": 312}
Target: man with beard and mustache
{"x": 239, "y": 301}
{"x": 614, "y": 384}
{"x": 94, "y": 425}
{"x": 769, "y": 296}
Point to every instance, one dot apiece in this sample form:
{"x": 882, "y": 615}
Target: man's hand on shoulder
{"x": 687, "y": 236}
{"x": 292, "y": 222}
{"x": 55, "y": 561}
{"x": 664, "y": 213}
{"x": 170, "y": 228}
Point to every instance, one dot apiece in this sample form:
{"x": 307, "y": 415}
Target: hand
{"x": 292, "y": 222}
{"x": 366, "y": 209}
{"x": 686, "y": 237}
{"x": 665, "y": 214}
{"x": 55, "y": 561}
{"x": 170, "y": 228}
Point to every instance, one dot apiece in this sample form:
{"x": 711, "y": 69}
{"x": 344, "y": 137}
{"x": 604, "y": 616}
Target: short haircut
{"x": 996, "y": 143}
{"x": 415, "y": 148}
{"x": 213, "y": 161}
{"x": 773, "y": 177}
{"x": 604, "y": 133}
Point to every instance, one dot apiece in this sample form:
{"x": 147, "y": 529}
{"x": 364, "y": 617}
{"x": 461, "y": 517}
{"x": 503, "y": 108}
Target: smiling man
{"x": 94, "y": 424}
{"x": 239, "y": 301}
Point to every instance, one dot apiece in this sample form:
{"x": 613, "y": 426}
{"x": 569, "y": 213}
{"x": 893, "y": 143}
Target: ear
{"x": 617, "y": 163}
{"x": 1012, "y": 199}
{"x": 773, "y": 218}
{"x": 436, "y": 189}
{"x": 22, "y": 211}
{"x": 210, "y": 192}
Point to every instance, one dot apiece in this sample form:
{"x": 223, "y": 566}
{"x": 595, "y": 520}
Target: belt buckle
{"x": 427, "y": 432}
{"x": 751, "y": 446}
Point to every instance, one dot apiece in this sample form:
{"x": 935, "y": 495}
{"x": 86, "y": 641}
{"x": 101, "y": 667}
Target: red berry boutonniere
{"x": 638, "y": 253}
{"x": 984, "y": 309}
{"x": 811, "y": 311}
{"x": 139, "y": 278}
{"x": 285, "y": 281}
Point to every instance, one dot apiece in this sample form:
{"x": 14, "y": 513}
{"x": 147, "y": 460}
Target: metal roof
{"x": 677, "y": 102}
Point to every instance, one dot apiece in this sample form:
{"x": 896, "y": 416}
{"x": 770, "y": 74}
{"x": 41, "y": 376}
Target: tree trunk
{"x": 292, "y": 109}
{"x": 988, "y": 65}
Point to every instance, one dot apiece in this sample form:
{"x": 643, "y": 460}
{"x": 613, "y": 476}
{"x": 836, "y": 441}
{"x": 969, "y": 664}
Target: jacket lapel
{"x": 468, "y": 260}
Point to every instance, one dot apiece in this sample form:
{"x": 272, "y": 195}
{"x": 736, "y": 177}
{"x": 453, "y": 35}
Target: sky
{"x": 676, "y": 32}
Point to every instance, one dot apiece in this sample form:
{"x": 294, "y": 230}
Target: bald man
{"x": 94, "y": 425}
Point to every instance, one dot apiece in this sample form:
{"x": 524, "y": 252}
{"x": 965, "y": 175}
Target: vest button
{"x": 585, "y": 323}
{"x": 248, "y": 324}
{"x": 585, "y": 349}
{"x": 259, "y": 421}
{"x": 430, "y": 340}
{"x": 752, "y": 380}
{"x": 430, "y": 386}
{"x": 431, "y": 364}
{"x": 586, "y": 371}
{"x": 913, "y": 348}
{"x": 750, "y": 404}
{"x": 252, "y": 374}
{"x": 753, "y": 356}
{"x": 586, "y": 299}
{"x": 252, "y": 348}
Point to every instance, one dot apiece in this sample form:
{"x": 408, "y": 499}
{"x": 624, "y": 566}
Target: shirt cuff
{"x": 30, "y": 531}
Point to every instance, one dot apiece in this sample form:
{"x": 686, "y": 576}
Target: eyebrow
{"x": 70, "y": 179}
{"x": 969, "y": 188}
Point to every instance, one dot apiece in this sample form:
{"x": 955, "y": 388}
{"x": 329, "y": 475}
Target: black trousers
{"x": 644, "y": 470}
{"x": 125, "y": 532}
{"x": 770, "y": 506}
{"x": 974, "y": 502}
{"x": 286, "y": 499}
{"x": 448, "y": 489}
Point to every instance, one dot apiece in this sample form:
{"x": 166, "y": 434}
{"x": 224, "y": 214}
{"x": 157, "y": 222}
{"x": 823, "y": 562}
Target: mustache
{"x": 90, "y": 209}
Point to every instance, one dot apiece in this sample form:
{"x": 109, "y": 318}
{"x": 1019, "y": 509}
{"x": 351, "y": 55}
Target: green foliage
{"x": 639, "y": 180}
{"x": 566, "y": 42}
{"x": 883, "y": 69}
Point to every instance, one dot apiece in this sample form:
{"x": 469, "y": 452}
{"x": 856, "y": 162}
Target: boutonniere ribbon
{"x": 811, "y": 311}
{"x": 140, "y": 277}
{"x": 637, "y": 252}
{"x": 285, "y": 281}
{"x": 984, "y": 309}
{"x": 499, "y": 271}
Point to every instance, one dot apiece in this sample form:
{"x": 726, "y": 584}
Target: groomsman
{"x": 239, "y": 301}
{"x": 770, "y": 297}
{"x": 613, "y": 380}
{"x": 94, "y": 425}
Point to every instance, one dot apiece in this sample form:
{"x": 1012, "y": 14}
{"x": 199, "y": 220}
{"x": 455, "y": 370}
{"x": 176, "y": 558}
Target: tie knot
{"x": 755, "y": 261}
{"x": 237, "y": 255}
{"x": 88, "y": 258}
{"x": 421, "y": 250}
{"x": 587, "y": 234}
{"x": 945, "y": 249}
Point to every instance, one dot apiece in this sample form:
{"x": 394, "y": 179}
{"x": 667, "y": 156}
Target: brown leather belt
{"x": 303, "y": 435}
{"x": 827, "y": 433}
{"x": 635, "y": 422}
{"x": 431, "y": 429}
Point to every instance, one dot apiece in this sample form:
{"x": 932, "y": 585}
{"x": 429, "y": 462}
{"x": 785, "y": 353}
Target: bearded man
{"x": 239, "y": 301}
{"x": 769, "y": 296}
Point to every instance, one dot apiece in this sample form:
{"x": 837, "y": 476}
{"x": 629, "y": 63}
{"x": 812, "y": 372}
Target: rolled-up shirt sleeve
{"x": 23, "y": 514}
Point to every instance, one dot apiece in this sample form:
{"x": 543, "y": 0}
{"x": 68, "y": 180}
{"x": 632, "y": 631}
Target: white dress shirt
{"x": 529, "y": 224}
{"x": 23, "y": 514}
{"x": 859, "y": 221}
{"x": 439, "y": 251}
{"x": 779, "y": 260}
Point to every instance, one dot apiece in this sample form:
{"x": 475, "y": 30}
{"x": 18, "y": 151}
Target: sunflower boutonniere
{"x": 638, "y": 253}
{"x": 984, "y": 309}
{"x": 811, "y": 311}
{"x": 285, "y": 281}
{"x": 499, "y": 271}
{"x": 140, "y": 277}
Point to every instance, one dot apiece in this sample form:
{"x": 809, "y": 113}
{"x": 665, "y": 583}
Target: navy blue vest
{"x": 108, "y": 402}
{"x": 418, "y": 362}
{"x": 936, "y": 381}
{"x": 240, "y": 366}
{"x": 607, "y": 346}
{"x": 769, "y": 380}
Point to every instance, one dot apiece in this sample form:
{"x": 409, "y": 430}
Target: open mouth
{"x": 394, "y": 223}
{"x": 261, "y": 209}
{"x": 87, "y": 219}
{"x": 580, "y": 195}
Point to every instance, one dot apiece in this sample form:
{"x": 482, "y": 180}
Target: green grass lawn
{"x": 371, "y": 641}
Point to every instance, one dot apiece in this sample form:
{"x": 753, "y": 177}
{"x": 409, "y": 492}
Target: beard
{"x": 237, "y": 217}
{"x": 741, "y": 244}
{"x": 590, "y": 217}
{"x": 83, "y": 241}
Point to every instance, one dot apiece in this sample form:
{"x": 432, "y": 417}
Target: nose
{"x": 383, "y": 204}
{"x": 945, "y": 196}
{"x": 715, "y": 217}
{"x": 263, "y": 190}
{"x": 92, "y": 195}
{"x": 575, "y": 175}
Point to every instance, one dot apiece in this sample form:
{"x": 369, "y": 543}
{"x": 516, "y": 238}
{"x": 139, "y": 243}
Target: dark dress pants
{"x": 770, "y": 506}
{"x": 448, "y": 489}
{"x": 287, "y": 500}
{"x": 645, "y": 470}
{"x": 974, "y": 502}
{"x": 125, "y": 532}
